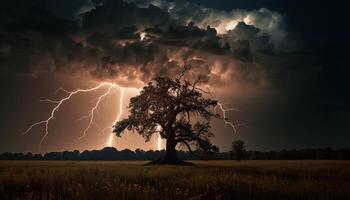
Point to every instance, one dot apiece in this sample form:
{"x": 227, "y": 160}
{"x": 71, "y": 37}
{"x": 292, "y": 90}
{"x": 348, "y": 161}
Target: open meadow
{"x": 205, "y": 180}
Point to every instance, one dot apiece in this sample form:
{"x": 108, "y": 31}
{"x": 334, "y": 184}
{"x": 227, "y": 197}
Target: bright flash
{"x": 142, "y": 36}
{"x": 231, "y": 25}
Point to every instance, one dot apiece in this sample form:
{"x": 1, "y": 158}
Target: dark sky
{"x": 282, "y": 63}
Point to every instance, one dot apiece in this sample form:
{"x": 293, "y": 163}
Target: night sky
{"x": 283, "y": 64}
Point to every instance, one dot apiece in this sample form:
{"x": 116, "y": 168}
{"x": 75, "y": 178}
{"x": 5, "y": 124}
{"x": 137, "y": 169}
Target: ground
{"x": 205, "y": 180}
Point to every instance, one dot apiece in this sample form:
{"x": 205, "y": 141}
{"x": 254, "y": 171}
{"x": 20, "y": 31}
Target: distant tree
{"x": 238, "y": 149}
{"x": 175, "y": 109}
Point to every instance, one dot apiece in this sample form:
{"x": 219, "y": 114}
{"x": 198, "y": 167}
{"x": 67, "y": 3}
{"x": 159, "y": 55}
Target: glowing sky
{"x": 275, "y": 61}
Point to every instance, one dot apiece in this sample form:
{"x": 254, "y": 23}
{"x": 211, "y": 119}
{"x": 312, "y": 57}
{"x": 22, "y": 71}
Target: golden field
{"x": 205, "y": 180}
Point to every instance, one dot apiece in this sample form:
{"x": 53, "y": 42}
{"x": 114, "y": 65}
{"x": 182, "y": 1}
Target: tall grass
{"x": 206, "y": 180}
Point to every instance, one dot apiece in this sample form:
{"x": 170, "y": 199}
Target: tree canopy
{"x": 238, "y": 149}
{"x": 176, "y": 109}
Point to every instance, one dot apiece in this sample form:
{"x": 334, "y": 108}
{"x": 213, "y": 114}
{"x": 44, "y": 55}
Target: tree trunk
{"x": 170, "y": 157}
{"x": 170, "y": 151}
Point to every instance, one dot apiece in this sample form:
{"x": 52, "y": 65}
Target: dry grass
{"x": 206, "y": 180}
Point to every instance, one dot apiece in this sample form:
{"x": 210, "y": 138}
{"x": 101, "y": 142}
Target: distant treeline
{"x": 110, "y": 153}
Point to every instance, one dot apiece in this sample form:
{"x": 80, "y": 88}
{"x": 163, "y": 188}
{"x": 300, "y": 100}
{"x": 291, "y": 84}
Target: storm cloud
{"x": 105, "y": 41}
{"x": 282, "y": 63}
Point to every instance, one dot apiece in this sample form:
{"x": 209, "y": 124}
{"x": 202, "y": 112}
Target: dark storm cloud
{"x": 250, "y": 34}
{"x": 280, "y": 49}
{"x": 133, "y": 42}
{"x": 116, "y": 15}
{"x": 30, "y": 36}
{"x": 70, "y": 9}
{"x": 269, "y": 23}
{"x": 188, "y": 36}
{"x": 108, "y": 44}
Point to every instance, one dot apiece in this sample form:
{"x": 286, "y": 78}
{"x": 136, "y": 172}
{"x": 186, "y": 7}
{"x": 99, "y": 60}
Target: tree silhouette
{"x": 175, "y": 109}
{"x": 238, "y": 149}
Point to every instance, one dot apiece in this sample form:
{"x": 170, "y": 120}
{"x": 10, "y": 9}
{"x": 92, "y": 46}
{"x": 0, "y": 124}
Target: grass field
{"x": 206, "y": 180}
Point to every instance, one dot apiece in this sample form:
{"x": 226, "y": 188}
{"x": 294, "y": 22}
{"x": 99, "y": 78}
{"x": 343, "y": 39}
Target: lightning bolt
{"x": 121, "y": 106}
{"x": 159, "y": 143}
{"x": 159, "y": 139}
{"x": 224, "y": 111}
{"x": 93, "y": 110}
{"x": 60, "y": 102}
{"x": 91, "y": 114}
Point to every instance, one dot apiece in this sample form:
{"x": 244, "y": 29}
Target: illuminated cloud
{"x": 248, "y": 51}
{"x": 268, "y": 22}
{"x": 124, "y": 43}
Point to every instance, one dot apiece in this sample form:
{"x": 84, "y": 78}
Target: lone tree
{"x": 238, "y": 149}
{"x": 175, "y": 109}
